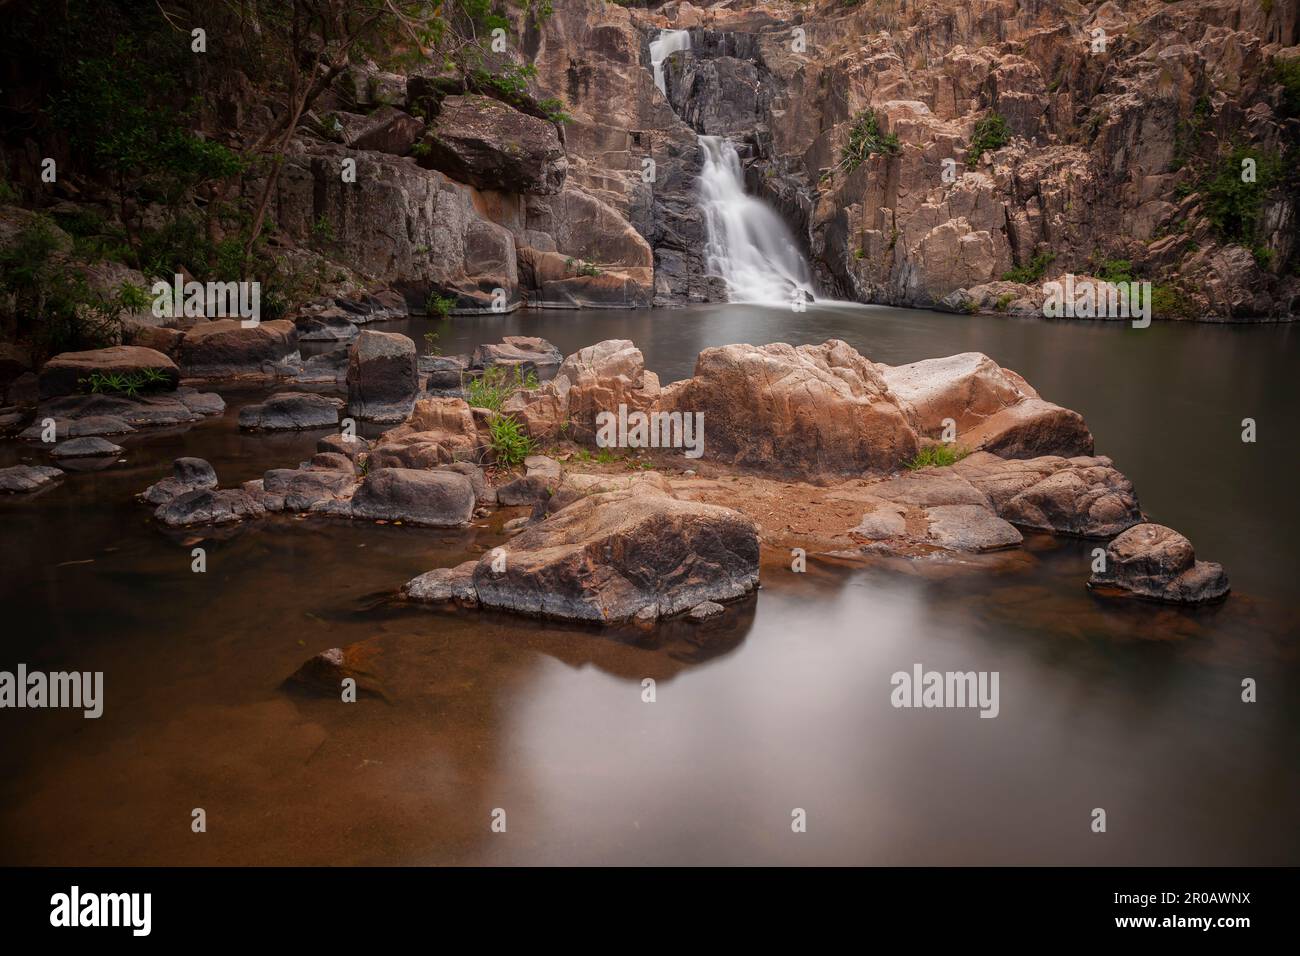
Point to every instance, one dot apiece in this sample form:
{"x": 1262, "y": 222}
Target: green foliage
{"x": 991, "y": 133}
{"x": 936, "y": 456}
{"x": 581, "y": 267}
{"x": 1032, "y": 271}
{"x": 440, "y": 305}
{"x": 495, "y": 385}
{"x": 1115, "y": 270}
{"x": 510, "y": 444}
{"x": 130, "y": 384}
{"x": 1004, "y": 300}
{"x": 431, "y": 343}
{"x": 865, "y": 139}
{"x": 1233, "y": 206}
{"x": 1287, "y": 72}
{"x": 1170, "y": 302}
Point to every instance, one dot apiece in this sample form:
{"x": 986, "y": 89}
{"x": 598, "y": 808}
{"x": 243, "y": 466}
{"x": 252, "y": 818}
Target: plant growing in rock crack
{"x": 991, "y": 133}
{"x": 1031, "y": 271}
{"x": 936, "y": 456}
{"x": 130, "y": 384}
{"x": 866, "y": 138}
{"x": 581, "y": 267}
{"x": 510, "y": 444}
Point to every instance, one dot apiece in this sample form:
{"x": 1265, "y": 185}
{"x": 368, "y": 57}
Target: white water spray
{"x": 748, "y": 244}
{"x": 662, "y": 47}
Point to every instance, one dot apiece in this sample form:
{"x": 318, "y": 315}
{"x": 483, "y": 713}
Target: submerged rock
{"x": 326, "y": 672}
{"x": 1158, "y": 563}
{"x": 289, "y": 411}
{"x": 21, "y": 479}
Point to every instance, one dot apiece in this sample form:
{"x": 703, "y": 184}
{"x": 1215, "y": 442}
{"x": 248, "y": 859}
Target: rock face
{"x": 991, "y": 408}
{"x": 485, "y": 143}
{"x": 435, "y": 499}
{"x": 20, "y": 479}
{"x": 289, "y": 411}
{"x": 1158, "y": 563}
{"x": 383, "y": 382}
{"x": 809, "y": 412}
{"x": 63, "y": 374}
{"x": 611, "y": 558}
{"x": 224, "y": 348}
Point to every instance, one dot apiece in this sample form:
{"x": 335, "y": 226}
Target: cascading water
{"x": 748, "y": 244}
{"x": 662, "y": 47}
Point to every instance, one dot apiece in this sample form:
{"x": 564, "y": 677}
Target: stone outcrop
{"x": 382, "y": 378}
{"x": 807, "y": 412}
{"x": 68, "y": 372}
{"x": 485, "y": 143}
{"x": 1158, "y": 563}
{"x": 610, "y": 558}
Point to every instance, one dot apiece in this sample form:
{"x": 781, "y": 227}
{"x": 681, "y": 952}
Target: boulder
{"x": 385, "y": 130}
{"x": 20, "y": 479}
{"x": 383, "y": 381}
{"x": 526, "y": 353}
{"x": 90, "y": 447}
{"x": 436, "y": 499}
{"x": 970, "y": 528}
{"x": 289, "y": 411}
{"x": 811, "y": 412}
{"x": 992, "y": 408}
{"x": 350, "y": 446}
{"x": 224, "y": 348}
{"x": 188, "y": 474}
{"x": 484, "y": 142}
{"x": 1081, "y": 496}
{"x": 438, "y": 431}
{"x": 329, "y": 325}
{"x": 445, "y": 372}
{"x": 1158, "y": 563}
{"x": 302, "y": 489}
{"x": 209, "y": 506}
{"x": 444, "y": 584}
{"x": 63, "y": 374}
{"x": 613, "y": 557}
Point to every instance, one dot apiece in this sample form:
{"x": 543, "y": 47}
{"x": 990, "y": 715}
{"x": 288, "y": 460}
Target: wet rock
{"x": 90, "y": 447}
{"x": 303, "y": 489}
{"x": 1082, "y": 496}
{"x": 809, "y": 412}
{"x": 225, "y": 348}
{"x": 484, "y": 142}
{"x": 20, "y": 479}
{"x": 705, "y": 610}
{"x": 526, "y": 354}
{"x": 63, "y": 374}
{"x": 609, "y": 557}
{"x": 970, "y": 528}
{"x": 326, "y": 672}
{"x": 437, "y": 499}
{"x": 330, "y": 325}
{"x": 209, "y": 506}
{"x": 287, "y": 411}
{"x": 383, "y": 382}
{"x": 1158, "y": 563}
{"x": 188, "y": 474}
{"x": 444, "y": 584}
{"x": 99, "y": 425}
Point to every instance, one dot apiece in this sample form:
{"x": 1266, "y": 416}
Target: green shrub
{"x": 936, "y": 456}
{"x": 440, "y": 305}
{"x": 510, "y": 444}
{"x": 1232, "y": 206}
{"x": 991, "y": 133}
{"x": 866, "y": 138}
{"x": 1032, "y": 271}
{"x": 1115, "y": 270}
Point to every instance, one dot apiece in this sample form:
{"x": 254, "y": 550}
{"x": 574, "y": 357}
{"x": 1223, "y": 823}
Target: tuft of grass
{"x": 510, "y": 444}
{"x": 130, "y": 384}
{"x": 495, "y": 385}
{"x": 936, "y": 456}
{"x": 865, "y": 139}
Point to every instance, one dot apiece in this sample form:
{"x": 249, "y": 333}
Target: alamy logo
{"x": 103, "y": 909}
{"x": 922, "y": 688}
{"x": 77, "y": 689}
{"x": 1086, "y": 299}
{"x": 213, "y": 300}
{"x": 653, "y": 430}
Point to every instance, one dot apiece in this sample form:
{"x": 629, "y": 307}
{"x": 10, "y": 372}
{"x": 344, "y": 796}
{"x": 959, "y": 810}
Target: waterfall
{"x": 662, "y": 47}
{"x": 748, "y": 244}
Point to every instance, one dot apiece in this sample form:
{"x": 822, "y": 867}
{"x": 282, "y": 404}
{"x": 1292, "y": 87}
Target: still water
{"x": 1133, "y": 708}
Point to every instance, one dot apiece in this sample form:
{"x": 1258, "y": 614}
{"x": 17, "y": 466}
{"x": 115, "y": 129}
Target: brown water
{"x": 1131, "y": 707}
